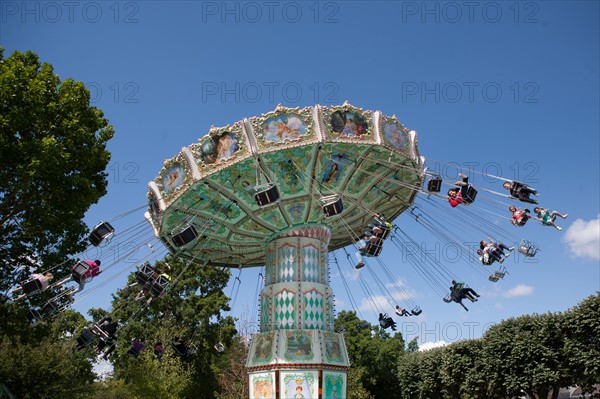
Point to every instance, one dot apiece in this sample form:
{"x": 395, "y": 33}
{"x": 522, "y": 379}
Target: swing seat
{"x": 528, "y": 249}
{"x": 363, "y": 326}
{"x": 180, "y": 349}
{"x": 471, "y": 194}
{"x": 448, "y": 298}
{"x": 266, "y": 194}
{"x": 32, "y": 286}
{"x": 101, "y": 232}
{"x": 85, "y": 338}
{"x": 185, "y": 237}
{"x": 51, "y": 308}
{"x": 145, "y": 274}
{"x": 159, "y": 286}
{"x": 373, "y": 249}
{"x": 416, "y": 311}
{"x": 33, "y": 315}
{"x": 219, "y": 347}
{"x": 332, "y": 205}
{"x": 78, "y": 274}
{"x": 434, "y": 185}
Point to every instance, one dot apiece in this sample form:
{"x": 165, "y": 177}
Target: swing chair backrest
{"x": 85, "y": 338}
{"x": 219, "y": 347}
{"x": 78, "y": 273}
{"x": 145, "y": 274}
{"x": 528, "y": 249}
{"x": 50, "y": 308}
{"x": 180, "y": 349}
{"x": 101, "y": 232}
{"x": 185, "y": 237}
{"x": 33, "y": 315}
{"x": 471, "y": 194}
{"x": 159, "y": 285}
{"x": 434, "y": 185}
{"x": 373, "y": 249}
{"x": 32, "y": 286}
{"x": 332, "y": 205}
{"x": 266, "y": 194}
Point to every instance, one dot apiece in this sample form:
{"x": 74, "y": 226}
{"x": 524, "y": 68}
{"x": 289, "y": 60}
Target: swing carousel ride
{"x": 287, "y": 191}
{"x": 281, "y": 190}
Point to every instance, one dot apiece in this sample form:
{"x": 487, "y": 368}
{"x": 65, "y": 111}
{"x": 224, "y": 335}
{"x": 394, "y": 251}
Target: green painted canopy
{"x": 368, "y": 159}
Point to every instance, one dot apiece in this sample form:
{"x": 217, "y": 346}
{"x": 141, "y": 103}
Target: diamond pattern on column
{"x": 285, "y": 310}
{"x": 286, "y": 263}
{"x": 310, "y": 267}
{"x": 313, "y": 310}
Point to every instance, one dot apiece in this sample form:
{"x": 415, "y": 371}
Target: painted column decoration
{"x": 297, "y": 354}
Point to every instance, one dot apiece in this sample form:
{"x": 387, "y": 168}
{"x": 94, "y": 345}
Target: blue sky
{"x": 509, "y": 88}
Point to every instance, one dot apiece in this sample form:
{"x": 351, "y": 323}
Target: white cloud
{"x": 430, "y": 345}
{"x": 583, "y": 238}
{"x": 519, "y": 290}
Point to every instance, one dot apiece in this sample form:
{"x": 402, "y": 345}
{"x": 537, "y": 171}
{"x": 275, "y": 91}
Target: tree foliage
{"x": 192, "y": 310}
{"x": 53, "y": 152}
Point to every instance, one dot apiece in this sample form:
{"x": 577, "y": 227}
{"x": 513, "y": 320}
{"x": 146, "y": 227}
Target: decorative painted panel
{"x": 334, "y": 384}
{"x": 299, "y": 346}
{"x": 262, "y": 385}
{"x": 299, "y": 384}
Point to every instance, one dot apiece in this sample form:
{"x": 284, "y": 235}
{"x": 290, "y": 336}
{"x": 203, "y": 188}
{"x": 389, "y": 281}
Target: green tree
{"x": 375, "y": 351}
{"x": 149, "y": 378}
{"x": 53, "y": 152}
{"x": 47, "y": 368}
{"x": 430, "y": 365}
{"x": 581, "y": 328}
{"x": 526, "y": 354}
{"x": 409, "y": 375}
{"x": 191, "y": 310}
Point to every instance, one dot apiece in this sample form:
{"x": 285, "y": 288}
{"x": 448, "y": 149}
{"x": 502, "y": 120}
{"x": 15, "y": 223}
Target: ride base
{"x": 297, "y": 354}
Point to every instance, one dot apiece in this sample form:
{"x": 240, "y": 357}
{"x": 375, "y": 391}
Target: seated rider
{"x": 179, "y": 347}
{"x": 110, "y": 342}
{"x": 459, "y": 195}
{"x": 519, "y": 216}
{"x": 400, "y": 311}
{"x": 385, "y": 321}
{"x": 490, "y": 252}
{"x": 456, "y": 296}
{"x": 547, "y": 218}
{"x": 466, "y": 292}
{"x": 136, "y": 347}
{"x": 44, "y": 280}
{"x": 148, "y": 287}
{"x": 159, "y": 350}
{"x": 380, "y": 223}
{"x": 520, "y": 191}
{"x": 93, "y": 271}
{"x": 107, "y": 327}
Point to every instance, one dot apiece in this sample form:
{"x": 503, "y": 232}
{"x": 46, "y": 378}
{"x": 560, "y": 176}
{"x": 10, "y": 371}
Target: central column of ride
{"x": 297, "y": 354}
